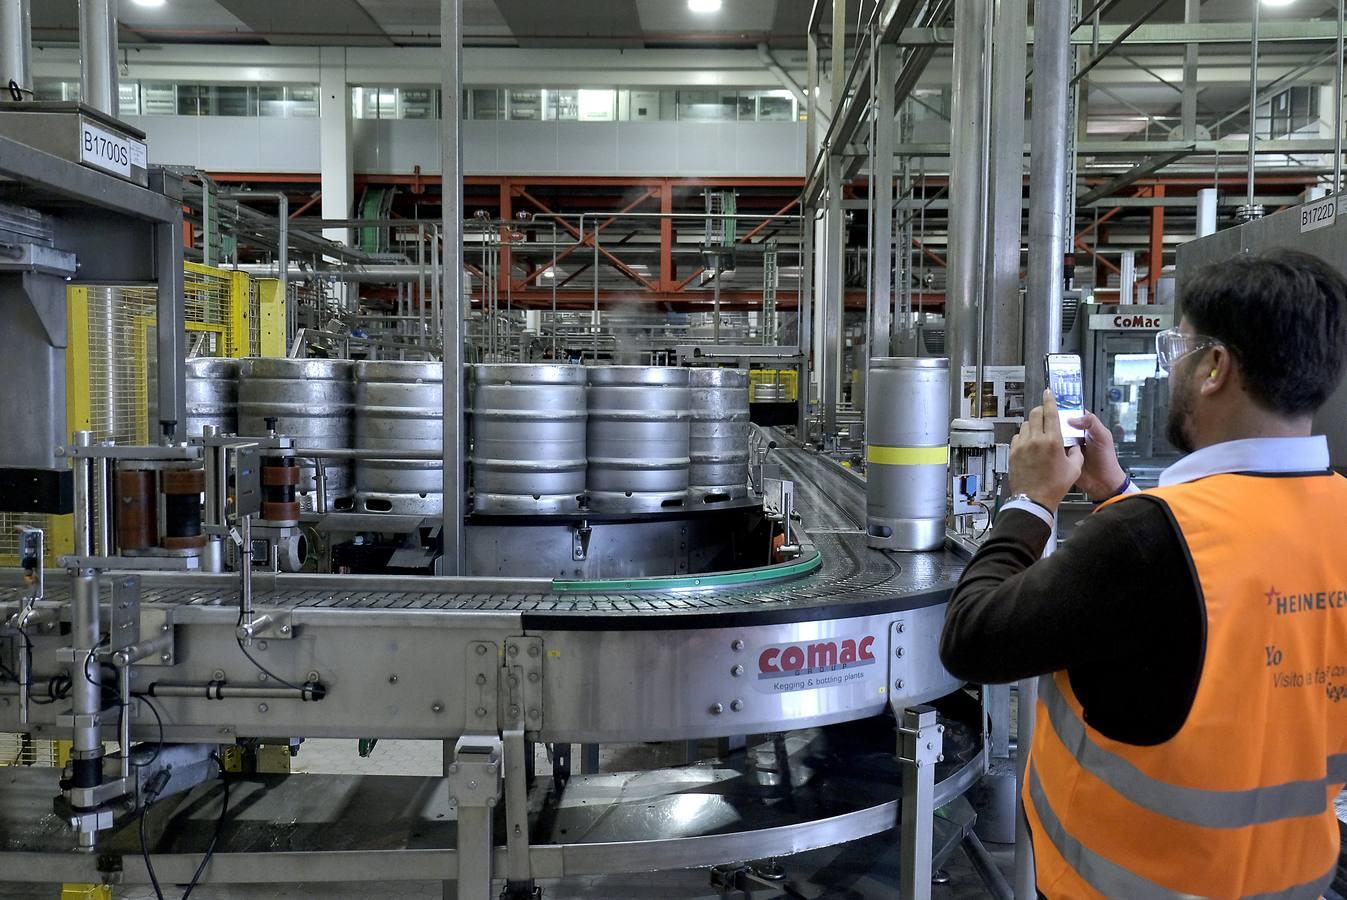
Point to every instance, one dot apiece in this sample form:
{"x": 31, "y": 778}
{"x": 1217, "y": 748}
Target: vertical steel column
{"x": 901, "y": 343}
{"x": 805, "y": 298}
{"x": 1192, "y": 14}
{"x": 804, "y": 319}
{"x": 16, "y": 43}
{"x": 1337, "y": 102}
{"x": 834, "y": 288}
{"x": 1206, "y": 212}
{"x": 451, "y": 144}
{"x": 835, "y": 238}
{"x": 1047, "y": 190}
{"x": 1253, "y": 110}
{"x": 881, "y": 173}
{"x": 968, "y": 169}
{"x": 1048, "y": 234}
{"x": 98, "y": 54}
{"x": 838, "y": 62}
{"x": 170, "y": 314}
{"x": 1127, "y": 278}
{"x": 1003, "y": 331}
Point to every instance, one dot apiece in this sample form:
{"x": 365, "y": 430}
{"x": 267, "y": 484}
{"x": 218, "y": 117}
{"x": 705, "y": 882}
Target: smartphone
{"x": 1067, "y": 386}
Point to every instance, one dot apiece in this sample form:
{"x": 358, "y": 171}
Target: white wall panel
{"x": 707, "y": 148}
{"x": 171, "y": 139}
{"x": 228, "y": 143}
{"x": 397, "y": 146}
{"x": 768, "y": 146}
{"x": 648, "y": 148}
{"x": 527, "y": 147}
{"x": 410, "y": 144}
{"x": 590, "y": 148}
{"x": 288, "y": 145}
{"x": 480, "y": 142}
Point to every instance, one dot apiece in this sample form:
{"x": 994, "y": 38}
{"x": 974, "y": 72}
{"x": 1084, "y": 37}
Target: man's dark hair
{"x": 1283, "y": 314}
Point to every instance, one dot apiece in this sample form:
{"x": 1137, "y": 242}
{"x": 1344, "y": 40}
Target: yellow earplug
{"x": 1213, "y": 374}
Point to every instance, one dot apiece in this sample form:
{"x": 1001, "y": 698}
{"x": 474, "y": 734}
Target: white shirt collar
{"x": 1287, "y": 454}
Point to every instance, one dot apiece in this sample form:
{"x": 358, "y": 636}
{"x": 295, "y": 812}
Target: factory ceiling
{"x": 487, "y": 23}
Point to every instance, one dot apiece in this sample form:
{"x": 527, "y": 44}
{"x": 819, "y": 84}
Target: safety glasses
{"x": 1173, "y": 345}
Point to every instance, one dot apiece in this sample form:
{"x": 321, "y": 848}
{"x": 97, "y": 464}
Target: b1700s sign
{"x": 811, "y": 665}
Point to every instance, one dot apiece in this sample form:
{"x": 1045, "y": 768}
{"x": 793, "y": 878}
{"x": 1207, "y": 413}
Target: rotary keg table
{"x": 836, "y": 576}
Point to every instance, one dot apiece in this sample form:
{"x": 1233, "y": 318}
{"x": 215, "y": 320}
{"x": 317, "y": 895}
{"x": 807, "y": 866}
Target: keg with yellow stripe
{"x": 907, "y": 453}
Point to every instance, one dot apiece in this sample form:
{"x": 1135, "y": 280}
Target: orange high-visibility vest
{"x": 1239, "y": 803}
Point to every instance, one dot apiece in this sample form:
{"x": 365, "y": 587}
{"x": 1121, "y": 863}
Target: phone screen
{"x": 1067, "y": 386}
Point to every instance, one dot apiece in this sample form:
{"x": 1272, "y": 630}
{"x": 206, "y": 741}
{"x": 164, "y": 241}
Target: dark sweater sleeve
{"x": 1117, "y": 597}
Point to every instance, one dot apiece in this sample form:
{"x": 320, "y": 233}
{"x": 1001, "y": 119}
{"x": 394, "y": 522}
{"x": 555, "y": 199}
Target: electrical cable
{"x": 152, "y": 795}
{"x": 159, "y": 720}
{"x": 990, "y": 517}
{"x": 145, "y": 851}
{"x": 304, "y": 691}
{"x": 219, "y": 829}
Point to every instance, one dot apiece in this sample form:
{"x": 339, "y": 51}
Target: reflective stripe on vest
{"x": 1113, "y": 880}
{"x": 1239, "y": 800}
{"x": 1210, "y": 809}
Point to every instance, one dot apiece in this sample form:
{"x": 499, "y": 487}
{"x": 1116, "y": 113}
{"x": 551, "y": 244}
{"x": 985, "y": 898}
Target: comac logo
{"x": 1136, "y": 322}
{"x": 818, "y": 656}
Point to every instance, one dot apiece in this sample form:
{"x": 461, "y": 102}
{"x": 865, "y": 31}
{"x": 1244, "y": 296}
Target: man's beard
{"x": 1180, "y": 406}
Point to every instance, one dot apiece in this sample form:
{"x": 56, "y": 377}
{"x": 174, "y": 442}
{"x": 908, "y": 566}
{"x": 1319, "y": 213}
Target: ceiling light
{"x": 704, "y": 6}
{"x": 1276, "y": 3}
{"x": 149, "y": 3}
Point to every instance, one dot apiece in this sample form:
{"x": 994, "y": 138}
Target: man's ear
{"x": 1220, "y": 373}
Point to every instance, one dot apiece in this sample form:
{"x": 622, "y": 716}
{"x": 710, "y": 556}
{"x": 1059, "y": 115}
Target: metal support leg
{"x": 920, "y": 742}
{"x": 589, "y": 759}
{"x": 474, "y": 775}
{"x": 561, "y": 763}
{"x": 518, "y": 874}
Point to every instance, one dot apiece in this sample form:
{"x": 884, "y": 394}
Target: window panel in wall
{"x": 128, "y": 98}
{"x": 416, "y": 103}
{"x": 301, "y": 101}
{"x": 189, "y": 99}
{"x": 524, "y": 105}
{"x": 488, "y": 103}
{"x": 229, "y": 100}
{"x": 561, "y": 105}
{"x": 708, "y": 106}
{"x": 775, "y": 106}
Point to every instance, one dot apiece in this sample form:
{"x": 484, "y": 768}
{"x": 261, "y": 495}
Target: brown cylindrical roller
{"x": 183, "y": 481}
{"x": 281, "y": 512}
{"x": 190, "y": 542}
{"x": 137, "y": 510}
{"x": 280, "y": 476}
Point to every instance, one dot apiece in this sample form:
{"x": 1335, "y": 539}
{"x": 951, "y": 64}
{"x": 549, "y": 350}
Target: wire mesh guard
{"x": 26, "y": 750}
{"x": 115, "y": 398}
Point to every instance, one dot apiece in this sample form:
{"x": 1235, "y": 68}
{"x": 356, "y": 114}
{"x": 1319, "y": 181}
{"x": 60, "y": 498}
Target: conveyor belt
{"x": 852, "y": 580}
{"x": 827, "y": 499}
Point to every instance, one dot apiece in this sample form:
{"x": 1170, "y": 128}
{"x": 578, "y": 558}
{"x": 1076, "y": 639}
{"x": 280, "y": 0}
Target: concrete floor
{"x": 864, "y": 870}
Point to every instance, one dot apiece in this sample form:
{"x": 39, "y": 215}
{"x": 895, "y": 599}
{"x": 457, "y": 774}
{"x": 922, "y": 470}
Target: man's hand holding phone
{"x": 1039, "y": 464}
{"x": 1102, "y": 474}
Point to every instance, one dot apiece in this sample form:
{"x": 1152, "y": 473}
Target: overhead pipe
{"x": 768, "y": 60}
{"x": 98, "y": 55}
{"x": 16, "y": 44}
